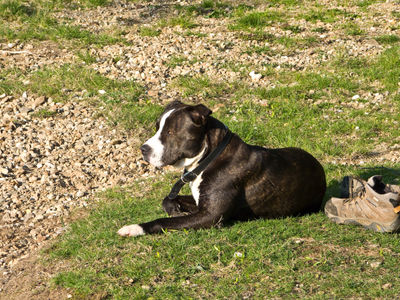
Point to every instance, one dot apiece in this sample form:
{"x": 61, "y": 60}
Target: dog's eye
{"x": 169, "y": 132}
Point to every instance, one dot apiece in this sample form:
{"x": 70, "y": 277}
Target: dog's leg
{"x": 201, "y": 219}
{"x": 179, "y": 206}
{"x": 220, "y": 206}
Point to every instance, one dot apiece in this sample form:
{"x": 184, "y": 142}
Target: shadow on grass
{"x": 390, "y": 176}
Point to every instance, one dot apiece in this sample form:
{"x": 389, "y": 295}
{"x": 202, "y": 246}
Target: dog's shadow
{"x": 390, "y": 176}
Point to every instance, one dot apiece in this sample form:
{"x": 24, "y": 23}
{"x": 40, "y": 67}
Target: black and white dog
{"x": 241, "y": 182}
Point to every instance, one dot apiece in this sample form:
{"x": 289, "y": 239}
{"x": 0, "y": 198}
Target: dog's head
{"x": 180, "y": 134}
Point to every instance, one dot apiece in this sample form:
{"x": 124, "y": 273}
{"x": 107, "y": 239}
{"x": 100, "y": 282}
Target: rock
{"x": 39, "y": 101}
{"x": 255, "y": 76}
{"x": 375, "y": 264}
{"x": 387, "y": 286}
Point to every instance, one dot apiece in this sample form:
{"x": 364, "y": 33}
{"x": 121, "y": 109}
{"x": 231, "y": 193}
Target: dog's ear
{"x": 199, "y": 114}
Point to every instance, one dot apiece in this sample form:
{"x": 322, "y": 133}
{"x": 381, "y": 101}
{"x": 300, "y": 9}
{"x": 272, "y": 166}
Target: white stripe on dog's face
{"x": 157, "y": 148}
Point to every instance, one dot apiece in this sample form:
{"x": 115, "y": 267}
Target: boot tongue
{"x": 376, "y": 183}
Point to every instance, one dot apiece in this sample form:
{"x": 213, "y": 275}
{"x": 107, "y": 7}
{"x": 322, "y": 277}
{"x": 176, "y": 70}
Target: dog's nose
{"x": 145, "y": 149}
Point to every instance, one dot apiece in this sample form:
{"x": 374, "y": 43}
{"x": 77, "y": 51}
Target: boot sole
{"x": 391, "y": 227}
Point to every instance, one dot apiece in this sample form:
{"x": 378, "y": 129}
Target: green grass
{"x": 44, "y": 113}
{"x": 208, "y": 8}
{"x": 353, "y": 29}
{"x": 25, "y": 22}
{"x": 51, "y": 81}
{"x": 385, "y": 68}
{"x": 301, "y": 257}
{"x": 11, "y": 81}
{"x": 258, "y": 20}
{"x": 260, "y": 50}
{"x": 176, "y": 60}
{"x": 11, "y": 9}
{"x": 326, "y": 15}
{"x": 49, "y": 29}
{"x": 185, "y": 22}
{"x": 366, "y": 3}
{"x": 86, "y": 57}
{"x": 388, "y": 39}
{"x": 149, "y": 31}
{"x": 121, "y": 98}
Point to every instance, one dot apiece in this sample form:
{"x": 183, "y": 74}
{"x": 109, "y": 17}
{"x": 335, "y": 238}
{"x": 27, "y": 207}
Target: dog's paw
{"x": 131, "y": 230}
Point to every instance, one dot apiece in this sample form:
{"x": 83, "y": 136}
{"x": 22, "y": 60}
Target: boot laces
{"x": 358, "y": 194}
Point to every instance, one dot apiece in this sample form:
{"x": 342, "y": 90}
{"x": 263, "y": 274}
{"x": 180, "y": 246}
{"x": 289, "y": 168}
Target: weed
{"x": 211, "y": 9}
{"x": 176, "y": 60}
{"x": 86, "y": 57}
{"x": 353, "y": 29}
{"x": 396, "y": 14}
{"x": 293, "y": 28}
{"x": 11, "y": 9}
{"x": 96, "y": 2}
{"x": 260, "y": 50}
{"x": 44, "y": 113}
{"x": 185, "y": 22}
{"x": 258, "y": 20}
{"x": 366, "y": 3}
{"x": 192, "y": 33}
{"x": 326, "y": 16}
{"x": 320, "y": 30}
{"x": 388, "y": 39}
{"x": 10, "y": 82}
{"x": 257, "y": 36}
{"x": 149, "y": 31}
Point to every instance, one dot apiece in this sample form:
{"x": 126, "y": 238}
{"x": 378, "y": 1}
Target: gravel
{"x": 49, "y": 166}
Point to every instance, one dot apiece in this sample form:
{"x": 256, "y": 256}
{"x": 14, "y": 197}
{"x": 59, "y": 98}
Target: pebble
{"x": 255, "y": 76}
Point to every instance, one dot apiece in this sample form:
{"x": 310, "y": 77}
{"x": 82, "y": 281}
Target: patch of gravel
{"x": 49, "y": 166}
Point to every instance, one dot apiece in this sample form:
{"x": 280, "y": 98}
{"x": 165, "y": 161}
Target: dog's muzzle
{"x": 146, "y": 152}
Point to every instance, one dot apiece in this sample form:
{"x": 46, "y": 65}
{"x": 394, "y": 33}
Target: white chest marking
{"x": 195, "y": 188}
{"x": 155, "y": 143}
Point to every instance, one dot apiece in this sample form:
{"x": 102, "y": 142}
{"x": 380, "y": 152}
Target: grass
{"x": 353, "y": 29}
{"x": 185, "y": 22}
{"x": 385, "y": 68}
{"x": 86, "y": 57}
{"x": 34, "y": 21}
{"x": 388, "y": 39}
{"x": 11, "y": 9}
{"x": 149, "y": 31}
{"x": 301, "y": 257}
{"x": 326, "y": 15}
{"x": 258, "y": 20}
{"x": 121, "y": 98}
{"x": 44, "y": 113}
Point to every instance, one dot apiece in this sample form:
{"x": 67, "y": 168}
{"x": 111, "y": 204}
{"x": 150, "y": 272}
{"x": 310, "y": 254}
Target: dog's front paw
{"x": 131, "y": 230}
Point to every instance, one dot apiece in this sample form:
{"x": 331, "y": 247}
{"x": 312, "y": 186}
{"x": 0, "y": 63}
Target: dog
{"x": 242, "y": 182}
